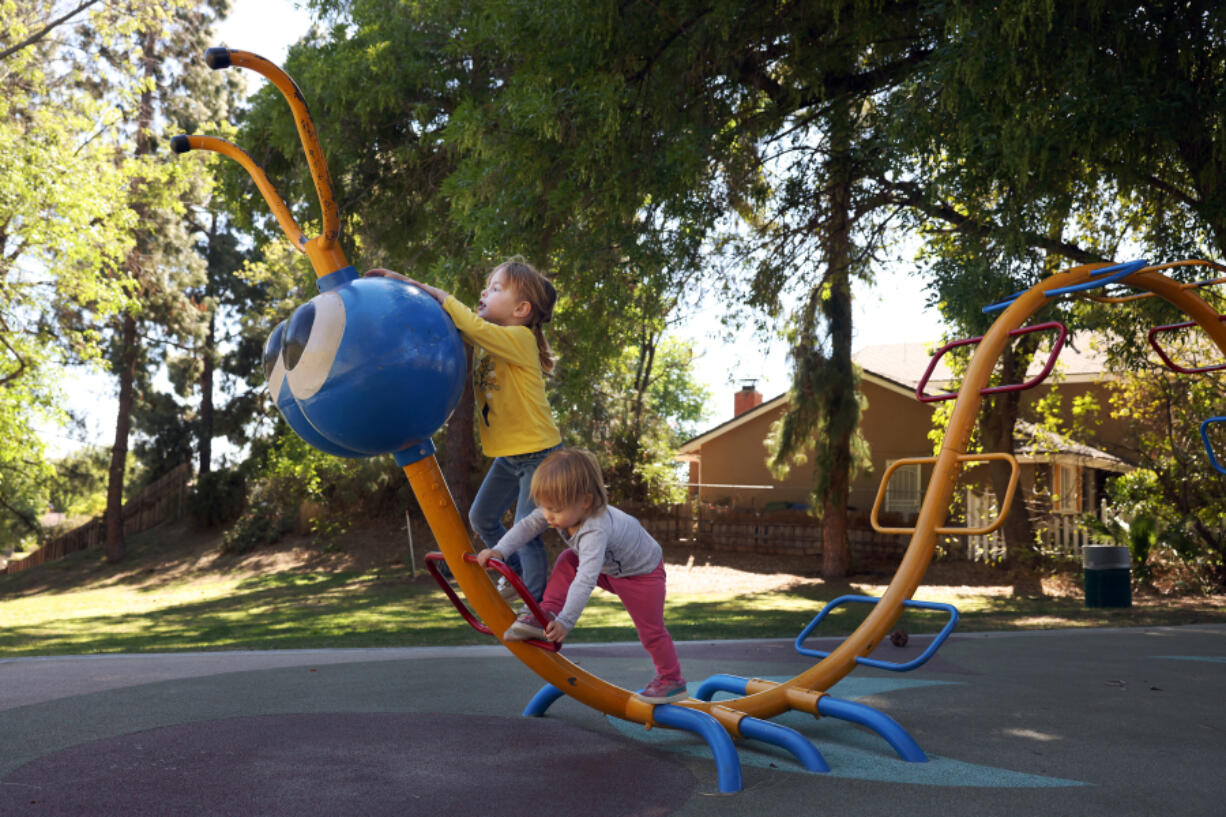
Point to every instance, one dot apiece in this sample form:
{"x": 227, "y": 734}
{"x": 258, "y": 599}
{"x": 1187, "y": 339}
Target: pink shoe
{"x": 524, "y": 628}
{"x": 663, "y": 691}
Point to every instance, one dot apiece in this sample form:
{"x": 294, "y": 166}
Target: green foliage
{"x": 645, "y": 406}
{"x": 1175, "y": 485}
{"x": 1140, "y": 532}
{"x": 218, "y": 498}
{"x": 79, "y": 487}
{"x": 263, "y": 523}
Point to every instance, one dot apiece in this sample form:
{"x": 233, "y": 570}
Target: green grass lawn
{"x": 150, "y": 603}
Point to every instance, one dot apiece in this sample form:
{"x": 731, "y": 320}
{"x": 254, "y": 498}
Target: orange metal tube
{"x": 767, "y": 699}
{"x": 275, "y": 203}
{"x": 306, "y": 133}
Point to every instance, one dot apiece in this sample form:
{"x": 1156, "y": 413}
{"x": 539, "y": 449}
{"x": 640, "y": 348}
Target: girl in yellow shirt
{"x": 515, "y": 424}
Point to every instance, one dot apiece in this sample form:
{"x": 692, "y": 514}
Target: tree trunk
{"x": 119, "y": 450}
{"x": 459, "y": 453}
{"x": 997, "y": 421}
{"x": 205, "y": 425}
{"x": 842, "y": 409}
{"x": 127, "y": 356}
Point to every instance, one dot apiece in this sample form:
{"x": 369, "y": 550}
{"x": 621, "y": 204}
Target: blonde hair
{"x": 567, "y": 476}
{"x": 538, "y": 291}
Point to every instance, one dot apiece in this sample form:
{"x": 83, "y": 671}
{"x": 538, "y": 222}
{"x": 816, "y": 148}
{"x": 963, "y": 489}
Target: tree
{"x": 161, "y": 265}
{"x": 66, "y": 226}
{"x": 1041, "y": 136}
{"x": 637, "y": 127}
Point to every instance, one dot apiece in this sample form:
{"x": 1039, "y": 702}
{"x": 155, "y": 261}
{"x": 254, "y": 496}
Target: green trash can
{"x": 1108, "y": 575}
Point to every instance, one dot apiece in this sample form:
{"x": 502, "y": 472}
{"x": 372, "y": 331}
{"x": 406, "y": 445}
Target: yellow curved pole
{"x": 275, "y": 203}
{"x": 767, "y": 699}
{"x": 306, "y": 130}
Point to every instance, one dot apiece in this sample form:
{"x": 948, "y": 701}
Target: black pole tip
{"x": 217, "y": 58}
{"x": 180, "y": 143}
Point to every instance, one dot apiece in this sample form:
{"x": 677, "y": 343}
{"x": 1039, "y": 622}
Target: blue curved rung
{"x": 786, "y": 738}
{"x": 721, "y": 683}
{"x": 542, "y": 700}
{"x": 879, "y": 722}
{"x": 1204, "y": 435}
{"x": 727, "y": 764}
{"x": 872, "y": 662}
{"x": 1113, "y": 273}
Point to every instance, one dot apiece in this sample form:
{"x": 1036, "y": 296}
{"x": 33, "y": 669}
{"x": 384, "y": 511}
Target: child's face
{"x": 501, "y": 304}
{"x": 566, "y": 517}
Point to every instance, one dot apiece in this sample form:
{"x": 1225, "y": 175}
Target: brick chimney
{"x": 746, "y": 398}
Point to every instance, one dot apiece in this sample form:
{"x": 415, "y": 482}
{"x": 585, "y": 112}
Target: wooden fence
{"x": 790, "y": 533}
{"x": 154, "y": 504}
{"x": 797, "y": 533}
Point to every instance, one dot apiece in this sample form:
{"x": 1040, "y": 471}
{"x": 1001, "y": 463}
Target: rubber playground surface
{"x": 1087, "y": 722}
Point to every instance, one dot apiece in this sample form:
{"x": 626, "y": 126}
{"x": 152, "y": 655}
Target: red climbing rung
{"x": 1034, "y": 381}
{"x": 432, "y": 560}
{"x": 1172, "y": 365}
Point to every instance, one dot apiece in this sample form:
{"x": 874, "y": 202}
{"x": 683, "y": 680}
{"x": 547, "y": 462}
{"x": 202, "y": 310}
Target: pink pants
{"x": 643, "y": 597}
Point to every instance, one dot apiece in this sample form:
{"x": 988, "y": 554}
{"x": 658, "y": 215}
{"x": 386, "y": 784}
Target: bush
{"x": 217, "y": 498}
{"x": 261, "y": 524}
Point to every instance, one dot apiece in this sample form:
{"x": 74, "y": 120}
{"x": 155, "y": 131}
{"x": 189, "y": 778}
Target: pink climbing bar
{"x": 1029, "y": 384}
{"x": 1172, "y": 365}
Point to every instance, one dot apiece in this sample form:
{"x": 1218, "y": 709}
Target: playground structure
{"x": 327, "y": 389}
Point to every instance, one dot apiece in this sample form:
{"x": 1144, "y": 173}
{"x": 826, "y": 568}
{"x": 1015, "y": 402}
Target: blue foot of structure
{"x": 879, "y": 722}
{"x": 727, "y": 764}
{"x": 542, "y": 700}
{"x": 721, "y": 683}
{"x": 787, "y": 738}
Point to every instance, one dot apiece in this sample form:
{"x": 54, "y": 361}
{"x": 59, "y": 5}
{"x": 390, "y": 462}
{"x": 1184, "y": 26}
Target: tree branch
{"x": 47, "y": 29}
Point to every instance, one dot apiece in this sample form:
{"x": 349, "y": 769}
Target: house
{"x": 1060, "y": 477}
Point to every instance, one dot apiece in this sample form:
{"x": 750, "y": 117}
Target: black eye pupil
{"x": 272, "y": 348}
{"x": 298, "y": 333}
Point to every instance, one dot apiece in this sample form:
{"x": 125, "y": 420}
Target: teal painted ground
{"x": 852, "y": 751}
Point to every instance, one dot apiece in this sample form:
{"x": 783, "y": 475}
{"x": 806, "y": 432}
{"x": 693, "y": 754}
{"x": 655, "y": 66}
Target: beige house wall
{"x": 896, "y": 426}
{"x": 739, "y": 458}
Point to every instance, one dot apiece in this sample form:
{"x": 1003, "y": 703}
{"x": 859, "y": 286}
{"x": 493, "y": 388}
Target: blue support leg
{"x": 727, "y": 764}
{"x": 879, "y": 722}
{"x": 787, "y": 738}
{"x": 721, "y": 683}
{"x": 542, "y": 701}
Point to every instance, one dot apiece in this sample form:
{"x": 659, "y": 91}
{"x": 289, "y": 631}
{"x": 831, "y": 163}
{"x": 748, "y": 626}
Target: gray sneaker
{"x": 507, "y": 590}
{"x": 663, "y": 691}
{"x": 523, "y": 628}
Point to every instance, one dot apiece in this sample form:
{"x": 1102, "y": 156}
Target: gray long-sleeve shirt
{"x": 610, "y": 542}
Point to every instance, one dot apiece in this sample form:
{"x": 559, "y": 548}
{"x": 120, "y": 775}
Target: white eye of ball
{"x": 274, "y": 368}
{"x": 312, "y": 338}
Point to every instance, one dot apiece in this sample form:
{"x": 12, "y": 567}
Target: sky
{"x": 890, "y": 311}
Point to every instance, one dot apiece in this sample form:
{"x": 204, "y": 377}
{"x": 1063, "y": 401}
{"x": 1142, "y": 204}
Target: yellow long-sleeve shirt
{"x": 513, "y": 416}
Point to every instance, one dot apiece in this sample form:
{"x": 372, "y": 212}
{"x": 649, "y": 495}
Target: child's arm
{"x": 434, "y": 292}
{"x": 514, "y": 344}
{"x": 520, "y": 534}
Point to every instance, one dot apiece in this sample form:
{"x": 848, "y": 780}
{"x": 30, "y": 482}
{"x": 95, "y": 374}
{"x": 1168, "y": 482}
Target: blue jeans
{"x": 509, "y": 482}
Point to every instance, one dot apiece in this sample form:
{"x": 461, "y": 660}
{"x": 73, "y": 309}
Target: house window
{"x": 902, "y": 493}
{"x": 1066, "y": 488}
